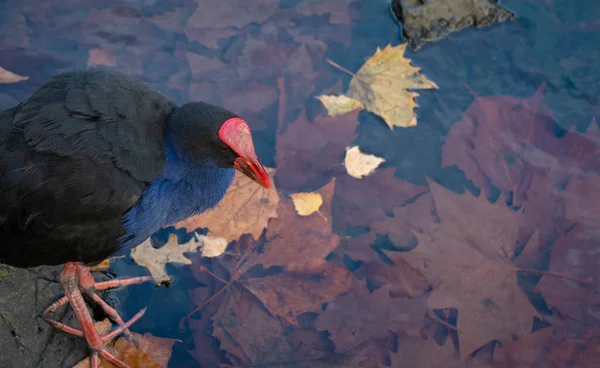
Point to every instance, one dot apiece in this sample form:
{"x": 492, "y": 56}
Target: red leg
{"x": 74, "y": 278}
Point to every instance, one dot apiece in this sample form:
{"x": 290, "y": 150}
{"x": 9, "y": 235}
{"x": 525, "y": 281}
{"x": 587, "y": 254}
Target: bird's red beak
{"x": 236, "y": 134}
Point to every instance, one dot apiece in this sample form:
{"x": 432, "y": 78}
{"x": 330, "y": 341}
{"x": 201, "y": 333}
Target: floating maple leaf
{"x": 382, "y": 86}
{"x": 246, "y": 206}
{"x": 467, "y": 258}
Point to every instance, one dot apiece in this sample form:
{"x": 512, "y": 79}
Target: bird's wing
{"x": 81, "y": 149}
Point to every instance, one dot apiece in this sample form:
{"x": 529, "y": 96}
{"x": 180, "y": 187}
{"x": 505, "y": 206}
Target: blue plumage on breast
{"x": 184, "y": 189}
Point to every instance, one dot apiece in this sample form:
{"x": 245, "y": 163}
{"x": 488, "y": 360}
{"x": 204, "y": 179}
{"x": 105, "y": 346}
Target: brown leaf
{"x": 339, "y": 12}
{"x": 402, "y": 279}
{"x": 359, "y": 315}
{"x": 308, "y": 153}
{"x": 574, "y": 254}
{"x": 246, "y": 206}
{"x": 222, "y": 19}
{"x": 101, "y": 57}
{"x": 297, "y": 245}
{"x": 527, "y": 351}
{"x": 581, "y": 205}
{"x": 583, "y": 352}
{"x": 467, "y": 259}
{"x": 248, "y": 333}
{"x": 10, "y": 77}
{"x": 397, "y": 228}
{"x": 500, "y": 136}
{"x": 291, "y": 294}
{"x": 509, "y": 143}
{"x": 414, "y": 352}
{"x": 249, "y": 99}
{"x": 360, "y": 202}
{"x": 152, "y": 352}
{"x": 300, "y": 243}
{"x": 580, "y": 154}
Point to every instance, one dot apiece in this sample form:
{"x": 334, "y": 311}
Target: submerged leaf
{"x": 466, "y": 254}
{"x": 245, "y": 209}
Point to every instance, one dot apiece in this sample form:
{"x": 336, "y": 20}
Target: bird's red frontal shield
{"x": 236, "y": 134}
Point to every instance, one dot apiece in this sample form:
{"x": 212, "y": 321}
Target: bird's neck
{"x": 184, "y": 189}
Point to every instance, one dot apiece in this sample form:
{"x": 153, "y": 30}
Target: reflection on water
{"x": 508, "y": 121}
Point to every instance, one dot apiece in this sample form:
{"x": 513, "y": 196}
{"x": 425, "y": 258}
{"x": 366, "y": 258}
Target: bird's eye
{"x": 224, "y": 148}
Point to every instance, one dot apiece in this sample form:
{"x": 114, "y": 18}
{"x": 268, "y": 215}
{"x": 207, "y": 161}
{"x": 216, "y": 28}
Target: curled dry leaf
{"x": 155, "y": 259}
{"x": 382, "y": 85}
{"x": 7, "y": 77}
{"x": 358, "y": 164}
{"x": 245, "y": 209}
{"x": 152, "y": 352}
{"x": 307, "y": 203}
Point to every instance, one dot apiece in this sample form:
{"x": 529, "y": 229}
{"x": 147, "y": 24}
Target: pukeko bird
{"x": 93, "y": 163}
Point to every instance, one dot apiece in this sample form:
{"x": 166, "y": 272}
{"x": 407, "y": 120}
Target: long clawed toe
{"x": 75, "y": 279}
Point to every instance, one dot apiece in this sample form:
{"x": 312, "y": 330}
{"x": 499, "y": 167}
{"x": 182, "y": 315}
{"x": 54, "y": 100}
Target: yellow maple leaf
{"x": 382, "y": 86}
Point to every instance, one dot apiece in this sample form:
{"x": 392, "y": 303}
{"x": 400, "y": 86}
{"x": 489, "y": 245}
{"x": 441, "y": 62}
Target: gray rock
{"x": 430, "y": 20}
{"x": 26, "y": 340}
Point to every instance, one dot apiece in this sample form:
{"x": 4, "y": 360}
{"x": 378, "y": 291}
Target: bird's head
{"x": 210, "y": 134}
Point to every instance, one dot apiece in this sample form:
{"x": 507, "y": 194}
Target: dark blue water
{"x": 555, "y": 42}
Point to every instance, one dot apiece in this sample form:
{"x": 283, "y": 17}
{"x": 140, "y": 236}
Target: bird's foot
{"x": 76, "y": 278}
